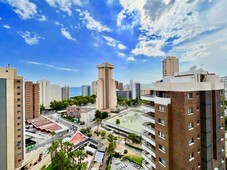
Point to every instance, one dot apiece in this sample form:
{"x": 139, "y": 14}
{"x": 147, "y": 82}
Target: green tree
{"x": 103, "y": 133}
{"x": 98, "y": 114}
{"x": 52, "y": 134}
{"x": 42, "y": 108}
{"x": 98, "y": 122}
{"x": 118, "y": 123}
{"x": 111, "y": 147}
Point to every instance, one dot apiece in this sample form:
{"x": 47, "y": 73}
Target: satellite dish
{"x": 193, "y": 68}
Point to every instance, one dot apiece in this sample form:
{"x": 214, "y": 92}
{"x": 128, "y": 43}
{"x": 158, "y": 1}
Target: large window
{"x": 190, "y": 126}
{"x": 161, "y": 108}
{"x": 161, "y": 121}
{"x": 190, "y": 110}
{"x": 191, "y": 141}
{"x": 162, "y": 162}
{"x": 162, "y": 148}
{"x": 161, "y": 134}
{"x": 190, "y": 96}
{"x": 191, "y": 156}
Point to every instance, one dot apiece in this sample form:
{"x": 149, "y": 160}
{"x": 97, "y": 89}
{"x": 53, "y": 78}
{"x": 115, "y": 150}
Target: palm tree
{"x": 52, "y": 134}
{"x": 118, "y": 122}
{"x": 98, "y": 121}
{"x": 68, "y": 146}
{"x": 111, "y": 147}
{"x": 79, "y": 155}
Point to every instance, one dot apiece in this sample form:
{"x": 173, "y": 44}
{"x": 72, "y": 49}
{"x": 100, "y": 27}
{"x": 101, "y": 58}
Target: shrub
{"x": 133, "y": 146}
{"x": 136, "y": 159}
{"x": 125, "y": 151}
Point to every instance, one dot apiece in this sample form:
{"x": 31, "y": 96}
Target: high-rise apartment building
{"x": 48, "y": 92}
{"x": 65, "y": 93}
{"x": 184, "y": 125}
{"x": 31, "y": 100}
{"x": 106, "y": 89}
{"x": 116, "y": 83}
{"x": 94, "y": 88}
{"x": 170, "y": 66}
{"x": 120, "y": 86}
{"x": 136, "y": 91}
{"x": 224, "y": 80}
{"x": 86, "y": 90}
{"x": 11, "y": 119}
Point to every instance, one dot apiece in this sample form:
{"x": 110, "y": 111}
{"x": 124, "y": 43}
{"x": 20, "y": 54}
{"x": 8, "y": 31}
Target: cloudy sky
{"x": 63, "y": 40}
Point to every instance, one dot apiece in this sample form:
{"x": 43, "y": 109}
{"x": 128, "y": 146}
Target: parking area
{"x": 117, "y": 164}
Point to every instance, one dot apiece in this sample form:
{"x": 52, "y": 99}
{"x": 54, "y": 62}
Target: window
{"x": 199, "y": 165}
{"x": 162, "y": 162}
{"x": 161, "y": 121}
{"x": 162, "y": 148}
{"x": 18, "y": 81}
{"x": 197, "y": 122}
{"x": 18, "y": 117}
{"x": 190, "y": 96}
{"x": 190, "y": 126}
{"x": 191, "y": 156}
{"x": 198, "y": 137}
{"x": 18, "y": 99}
{"x": 161, "y": 134}
{"x": 18, "y": 111}
{"x": 19, "y": 160}
{"x": 18, "y": 87}
{"x": 18, "y": 130}
{"x": 191, "y": 141}
{"x": 19, "y": 154}
{"x": 18, "y": 105}
{"x": 198, "y": 150}
{"x": 161, "y": 108}
{"x": 190, "y": 110}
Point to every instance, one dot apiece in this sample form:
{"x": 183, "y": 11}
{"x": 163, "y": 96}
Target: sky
{"x": 63, "y": 40}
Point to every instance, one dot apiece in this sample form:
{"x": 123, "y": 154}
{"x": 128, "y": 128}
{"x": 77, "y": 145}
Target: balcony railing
{"x": 148, "y": 117}
{"x": 148, "y": 128}
{"x": 148, "y": 138}
{"x": 146, "y": 165}
{"x": 147, "y": 107}
{"x": 149, "y": 159}
{"x": 149, "y": 149}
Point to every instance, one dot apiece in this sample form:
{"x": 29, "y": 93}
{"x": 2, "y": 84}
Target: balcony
{"x": 157, "y": 100}
{"x": 147, "y": 108}
{"x": 148, "y": 127}
{"x": 149, "y": 117}
{"x": 148, "y": 148}
{"x": 148, "y": 138}
{"x": 146, "y": 165}
{"x": 148, "y": 158}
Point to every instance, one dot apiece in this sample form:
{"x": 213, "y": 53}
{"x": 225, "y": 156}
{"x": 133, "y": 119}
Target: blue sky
{"x": 64, "y": 40}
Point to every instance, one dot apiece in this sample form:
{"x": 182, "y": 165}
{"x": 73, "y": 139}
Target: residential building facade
{"x": 124, "y": 94}
{"x": 31, "y": 100}
{"x": 136, "y": 91}
{"x": 184, "y": 126}
{"x": 65, "y": 93}
{"x": 94, "y": 88}
{"x": 12, "y": 119}
{"x": 86, "y": 90}
{"x": 106, "y": 89}
{"x": 170, "y": 66}
{"x": 224, "y": 80}
{"x": 49, "y": 92}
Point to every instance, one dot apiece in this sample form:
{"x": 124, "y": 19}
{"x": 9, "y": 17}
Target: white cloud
{"x": 25, "y": 9}
{"x": 6, "y": 26}
{"x": 121, "y": 55}
{"x": 130, "y": 59}
{"x": 164, "y": 21}
{"x": 64, "y": 5}
{"x": 50, "y": 66}
{"x": 114, "y": 43}
{"x": 91, "y": 23}
{"x": 121, "y": 46}
{"x": 30, "y": 38}
{"x": 66, "y": 34}
{"x": 0, "y": 18}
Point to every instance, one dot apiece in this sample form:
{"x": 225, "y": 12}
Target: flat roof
{"x": 129, "y": 120}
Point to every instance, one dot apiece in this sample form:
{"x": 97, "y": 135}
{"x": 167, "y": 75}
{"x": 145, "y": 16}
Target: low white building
{"x": 87, "y": 114}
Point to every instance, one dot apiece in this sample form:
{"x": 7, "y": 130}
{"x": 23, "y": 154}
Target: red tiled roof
{"x": 78, "y": 137}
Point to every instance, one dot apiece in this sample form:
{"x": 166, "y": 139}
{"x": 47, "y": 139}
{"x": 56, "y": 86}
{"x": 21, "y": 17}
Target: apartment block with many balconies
{"x": 184, "y": 123}
{"x": 11, "y": 119}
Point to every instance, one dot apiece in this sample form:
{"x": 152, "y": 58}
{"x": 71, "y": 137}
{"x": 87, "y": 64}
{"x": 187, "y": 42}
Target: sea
{"x": 75, "y": 91}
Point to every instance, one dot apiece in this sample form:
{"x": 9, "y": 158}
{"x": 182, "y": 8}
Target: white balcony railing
{"x": 148, "y": 139}
{"x": 148, "y": 149}
{"x": 148, "y": 159}
{"x": 148, "y": 128}
{"x": 149, "y": 118}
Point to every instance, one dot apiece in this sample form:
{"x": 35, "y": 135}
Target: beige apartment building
{"x": 170, "y": 66}
{"x": 184, "y": 123}
{"x": 31, "y": 100}
{"x": 11, "y": 119}
{"x": 106, "y": 88}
